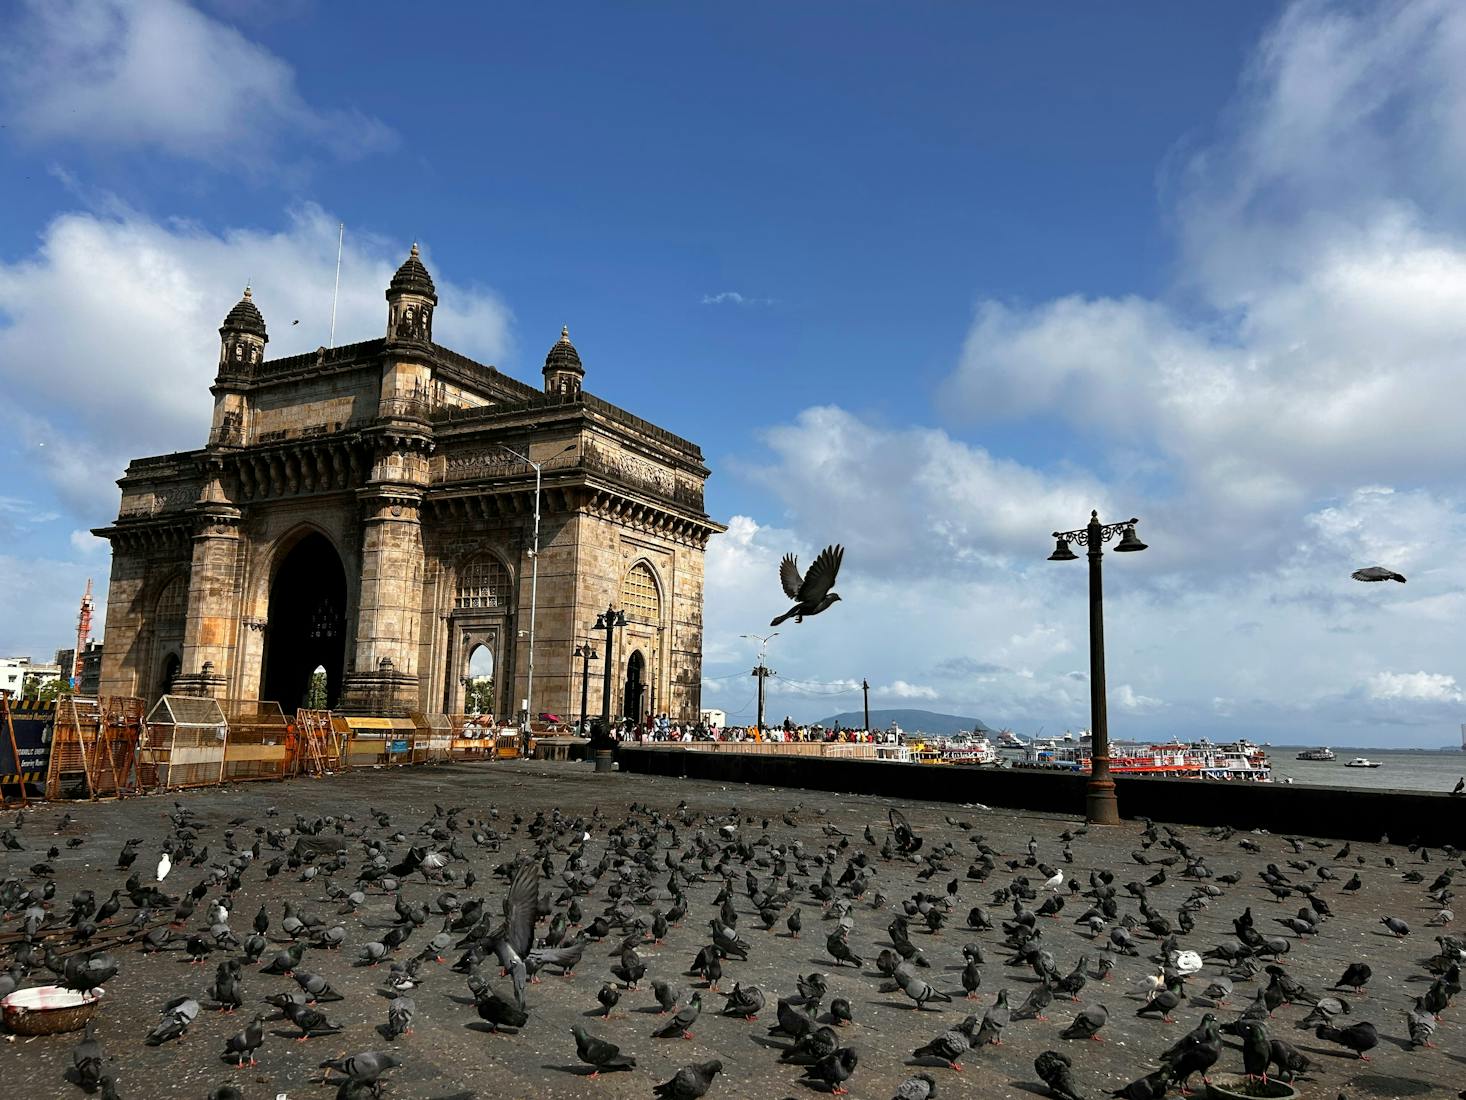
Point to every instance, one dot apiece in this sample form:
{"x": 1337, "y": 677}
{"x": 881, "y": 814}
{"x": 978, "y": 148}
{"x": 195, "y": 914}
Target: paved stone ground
{"x": 446, "y": 1058}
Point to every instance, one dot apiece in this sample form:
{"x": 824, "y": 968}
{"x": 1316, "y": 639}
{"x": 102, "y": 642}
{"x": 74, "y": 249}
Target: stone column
{"x": 209, "y": 634}
{"x": 385, "y": 680}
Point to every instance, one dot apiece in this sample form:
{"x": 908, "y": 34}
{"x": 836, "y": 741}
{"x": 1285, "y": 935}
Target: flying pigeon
{"x": 1377, "y": 573}
{"x": 810, "y": 592}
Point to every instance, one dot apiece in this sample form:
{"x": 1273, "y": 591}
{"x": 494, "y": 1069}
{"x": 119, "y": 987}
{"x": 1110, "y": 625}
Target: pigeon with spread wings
{"x": 1377, "y": 573}
{"x": 811, "y": 592}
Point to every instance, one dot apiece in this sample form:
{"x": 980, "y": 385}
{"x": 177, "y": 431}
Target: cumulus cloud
{"x": 1314, "y": 339}
{"x": 162, "y": 75}
{"x": 883, "y": 492}
{"x": 123, "y": 311}
{"x": 1431, "y": 687}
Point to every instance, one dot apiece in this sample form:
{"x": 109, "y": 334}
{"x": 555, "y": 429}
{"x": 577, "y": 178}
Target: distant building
{"x": 715, "y": 718}
{"x": 368, "y": 510}
{"x": 91, "y": 666}
{"x": 20, "y": 674}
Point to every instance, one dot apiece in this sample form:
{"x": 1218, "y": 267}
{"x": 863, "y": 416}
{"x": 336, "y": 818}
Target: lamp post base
{"x": 605, "y": 762}
{"x": 1100, "y": 805}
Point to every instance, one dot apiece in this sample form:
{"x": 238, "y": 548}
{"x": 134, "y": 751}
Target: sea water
{"x": 1400, "y": 770}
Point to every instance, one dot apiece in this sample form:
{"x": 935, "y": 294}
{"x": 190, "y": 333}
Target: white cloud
{"x": 1430, "y": 687}
{"x": 900, "y": 689}
{"x": 1127, "y": 698}
{"x": 123, "y": 312}
{"x": 734, "y": 298}
{"x": 883, "y": 492}
{"x": 161, "y": 75}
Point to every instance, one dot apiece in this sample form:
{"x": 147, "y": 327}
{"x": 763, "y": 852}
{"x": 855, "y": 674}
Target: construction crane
{"x": 83, "y": 632}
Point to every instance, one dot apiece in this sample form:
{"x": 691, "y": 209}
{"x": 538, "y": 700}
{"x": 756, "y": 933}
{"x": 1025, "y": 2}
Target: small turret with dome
{"x": 242, "y": 336}
{"x": 411, "y": 298}
{"x": 563, "y": 371}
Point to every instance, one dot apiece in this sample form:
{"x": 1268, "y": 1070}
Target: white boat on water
{"x": 969, "y": 748}
{"x": 1322, "y": 754}
{"x": 1362, "y": 762}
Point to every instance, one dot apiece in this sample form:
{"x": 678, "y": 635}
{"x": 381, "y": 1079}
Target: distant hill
{"x": 927, "y": 721}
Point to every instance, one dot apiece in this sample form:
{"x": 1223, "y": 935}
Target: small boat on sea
{"x": 1324, "y": 755}
{"x": 1362, "y": 762}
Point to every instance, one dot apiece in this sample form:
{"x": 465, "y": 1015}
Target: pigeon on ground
{"x": 918, "y": 989}
{"x": 921, "y": 1087}
{"x": 1087, "y": 1023}
{"x": 682, "y": 1020}
{"x": 834, "y": 1070}
{"x": 951, "y": 1044}
{"x": 1054, "y": 1069}
{"x": 86, "y": 1059}
{"x": 362, "y": 1070}
{"x": 689, "y": 1082}
{"x": 243, "y": 1044}
{"x": 177, "y": 1015}
{"x": 811, "y": 592}
{"x": 1356, "y": 976}
{"x": 599, "y": 1054}
{"x": 400, "y": 1011}
{"x": 1358, "y": 1037}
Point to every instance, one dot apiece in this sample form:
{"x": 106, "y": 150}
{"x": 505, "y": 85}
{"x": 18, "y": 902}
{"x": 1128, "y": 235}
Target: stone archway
{"x": 307, "y": 623}
{"x": 634, "y": 693}
{"x": 172, "y": 666}
{"x": 478, "y": 684}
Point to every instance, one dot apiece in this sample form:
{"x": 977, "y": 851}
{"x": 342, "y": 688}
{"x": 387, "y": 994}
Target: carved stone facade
{"x": 369, "y": 510}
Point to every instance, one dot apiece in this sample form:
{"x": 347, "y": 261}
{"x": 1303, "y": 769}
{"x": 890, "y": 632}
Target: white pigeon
{"x": 1150, "y": 983}
{"x": 165, "y": 864}
{"x": 1055, "y": 882}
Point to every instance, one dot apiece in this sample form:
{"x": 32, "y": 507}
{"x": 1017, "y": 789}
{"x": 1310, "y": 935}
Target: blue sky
{"x": 930, "y": 281}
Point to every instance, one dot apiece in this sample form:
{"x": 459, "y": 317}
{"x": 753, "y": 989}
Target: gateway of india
{"x": 368, "y": 510}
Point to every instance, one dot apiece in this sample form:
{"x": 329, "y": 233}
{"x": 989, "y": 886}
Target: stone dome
{"x": 245, "y": 317}
{"x": 413, "y": 278}
{"x": 563, "y": 356}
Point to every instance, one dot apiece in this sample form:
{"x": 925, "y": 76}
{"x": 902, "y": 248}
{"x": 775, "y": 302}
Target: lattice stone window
{"x": 172, "y": 607}
{"x": 483, "y": 582}
{"x": 639, "y": 595}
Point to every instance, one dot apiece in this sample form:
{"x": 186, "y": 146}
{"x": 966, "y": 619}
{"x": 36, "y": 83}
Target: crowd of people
{"x": 663, "y": 729}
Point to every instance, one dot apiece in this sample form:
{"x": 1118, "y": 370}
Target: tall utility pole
{"x": 608, "y": 621}
{"x": 534, "y": 581}
{"x": 587, "y": 654}
{"x": 1101, "y": 807}
{"x": 760, "y": 671}
{"x": 763, "y": 674}
{"x": 865, "y": 689}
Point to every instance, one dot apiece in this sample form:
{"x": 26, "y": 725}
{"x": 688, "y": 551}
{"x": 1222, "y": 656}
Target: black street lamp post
{"x": 1100, "y": 805}
{"x": 587, "y": 653}
{"x": 608, "y": 621}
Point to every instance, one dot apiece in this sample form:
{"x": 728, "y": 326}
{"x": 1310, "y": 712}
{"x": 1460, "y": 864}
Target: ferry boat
{"x": 1238, "y": 760}
{"x": 1362, "y": 762}
{"x": 969, "y": 748}
{"x": 1324, "y": 755}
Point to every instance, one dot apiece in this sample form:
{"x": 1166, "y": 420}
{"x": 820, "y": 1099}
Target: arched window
{"x": 482, "y": 582}
{"x": 640, "y": 596}
{"x": 172, "y": 606}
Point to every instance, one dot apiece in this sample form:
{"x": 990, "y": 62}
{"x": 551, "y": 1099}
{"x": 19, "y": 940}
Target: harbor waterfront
{"x": 1399, "y": 770}
{"x": 511, "y": 805}
{"x": 1382, "y": 769}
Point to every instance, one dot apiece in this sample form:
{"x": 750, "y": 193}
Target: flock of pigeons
{"x": 600, "y": 894}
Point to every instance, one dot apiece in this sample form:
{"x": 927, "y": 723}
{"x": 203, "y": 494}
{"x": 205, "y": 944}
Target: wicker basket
{"x": 49, "y": 1010}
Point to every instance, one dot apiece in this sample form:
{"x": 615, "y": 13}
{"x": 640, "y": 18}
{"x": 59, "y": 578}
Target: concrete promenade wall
{"x": 1434, "y": 819}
